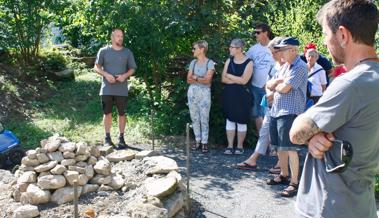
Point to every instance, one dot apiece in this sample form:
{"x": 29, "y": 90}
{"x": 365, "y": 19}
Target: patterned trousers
{"x": 199, "y": 103}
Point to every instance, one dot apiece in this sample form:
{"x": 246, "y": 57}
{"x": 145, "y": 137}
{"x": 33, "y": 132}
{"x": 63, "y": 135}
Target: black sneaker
{"x": 121, "y": 143}
{"x": 108, "y": 142}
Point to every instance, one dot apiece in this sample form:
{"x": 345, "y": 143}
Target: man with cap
{"x": 289, "y": 86}
{"x": 348, "y": 110}
{"x": 262, "y": 64}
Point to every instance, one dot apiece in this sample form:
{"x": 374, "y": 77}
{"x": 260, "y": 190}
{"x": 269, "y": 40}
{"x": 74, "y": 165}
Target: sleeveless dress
{"x": 237, "y": 100}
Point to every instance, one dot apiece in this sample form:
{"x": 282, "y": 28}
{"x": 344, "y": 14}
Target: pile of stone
{"x": 48, "y": 173}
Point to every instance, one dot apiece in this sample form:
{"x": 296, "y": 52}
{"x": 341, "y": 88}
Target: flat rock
{"x": 161, "y": 187}
{"x": 81, "y": 157}
{"x": 26, "y": 211}
{"x": 45, "y": 167}
{"x": 174, "y": 203}
{"x": 146, "y": 153}
{"x": 64, "y": 195}
{"x": 57, "y": 156}
{"x": 35, "y": 195}
{"x": 51, "y": 182}
{"x": 32, "y": 154}
{"x": 58, "y": 169}
{"x": 160, "y": 165}
{"x": 27, "y": 177}
{"x": 68, "y": 162}
{"x": 77, "y": 169}
{"x": 52, "y": 145}
{"x": 29, "y": 162}
{"x": 42, "y": 158}
{"x": 71, "y": 176}
{"x": 105, "y": 150}
{"x": 69, "y": 155}
{"x": 67, "y": 147}
{"x": 121, "y": 155}
{"x": 105, "y": 188}
{"x": 103, "y": 167}
{"x": 101, "y": 180}
{"x": 90, "y": 188}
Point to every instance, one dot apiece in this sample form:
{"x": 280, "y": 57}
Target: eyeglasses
{"x": 257, "y": 32}
{"x": 233, "y": 47}
{"x": 193, "y": 49}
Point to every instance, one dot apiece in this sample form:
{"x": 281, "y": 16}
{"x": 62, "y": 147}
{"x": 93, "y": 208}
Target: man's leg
{"x": 107, "y": 103}
{"x": 121, "y": 102}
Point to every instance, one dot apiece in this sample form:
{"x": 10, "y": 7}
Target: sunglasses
{"x": 257, "y": 32}
{"x": 337, "y": 159}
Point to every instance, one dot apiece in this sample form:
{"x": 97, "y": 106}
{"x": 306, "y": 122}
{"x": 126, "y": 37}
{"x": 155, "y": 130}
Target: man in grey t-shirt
{"x": 348, "y": 110}
{"x": 115, "y": 64}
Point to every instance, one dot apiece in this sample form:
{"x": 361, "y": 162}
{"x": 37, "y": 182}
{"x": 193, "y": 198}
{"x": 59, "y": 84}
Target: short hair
{"x": 117, "y": 29}
{"x": 240, "y": 43}
{"x": 275, "y": 41}
{"x": 266, "y": 28}
{"x": 360, "y": 17}
{"x": 313, "y": 52}
{"x": 201, "y": 44}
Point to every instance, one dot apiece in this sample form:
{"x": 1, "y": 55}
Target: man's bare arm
{"x": 303, "y": 129}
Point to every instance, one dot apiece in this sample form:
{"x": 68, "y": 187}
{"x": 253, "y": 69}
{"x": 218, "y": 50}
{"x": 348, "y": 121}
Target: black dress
{"x": 237, "y": 100}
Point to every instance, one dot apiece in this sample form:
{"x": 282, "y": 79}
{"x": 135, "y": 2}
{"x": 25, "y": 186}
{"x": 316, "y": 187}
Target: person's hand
{"x": 319, "y": 144}
{"x": 270, "y": 98}
{"x": 194, "y": 77}
{"x": 121, "y": 78}
{"x": 110, "y": 78}
{"x": 278, "y": 81}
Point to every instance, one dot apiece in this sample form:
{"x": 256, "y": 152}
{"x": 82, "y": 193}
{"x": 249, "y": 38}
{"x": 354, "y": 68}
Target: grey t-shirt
{"x": 349, "y": 109}
{"x": 115, "y": 62}
{"x": 200, "y": 70}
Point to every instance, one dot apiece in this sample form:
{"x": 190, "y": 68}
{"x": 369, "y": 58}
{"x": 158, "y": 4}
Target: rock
{"x": 77, "y": 169}
{"x": 22, "y": 187}
{"x": 92, "y": 160}
{"x": 68, "y": 162}
{"x": 57, "y": 156}
{"x": 51, "y": 182}
{"x": 35, "y": 195}
{"x": 146, "y": 153}
{"x": 160, "y": 164}
{"x": 41, "y": 150}
{"x": 105, "y": 150}
{"x": 101, "y": 180}
{"x": 121, "y": 155}
{"x": 103, "y": 167}
{"x": 45, "y": 167}
{"x": 16, "y": 194}
{"x": 81, "y": 164}
{"x": 94, "y": 151}
{"x": 67, "y": 147}
{"x": 82, "y": 179}
{"x": 161, "y": 187}
{"x": 105, "y": 188}
{"x": 81, "y": 148}
{"x": 52, "y": 145}
{"x": 25, "y": 168}
{"x": 175, "y": 175}
{"x": 71, "y": 176}
{"x": 58, "y": 169}
{"x": 69, "y": 155}
{"x": 42, "y": 158}
{"x": 44, "y": 173}
{"x": 152, "y": 200}
{"x": 67, "y": 74}
{"x": 32, "y": 154}
{"x": 27, "y": 177}
{"x": 29, "y": 162}
{"x": 81, "y": 157}
{"x": 140, "y": 210}
{"x": 43, "y": 142}
{"x": 174, "y": 203}
{"x": 90, "y": 188}
{"x": 90, "y": 172}
{"x": 26, "y": 211}
{"x": 180, "y": 214}
{"x": 117, "y": 182}
{"x": 64, "y": 195}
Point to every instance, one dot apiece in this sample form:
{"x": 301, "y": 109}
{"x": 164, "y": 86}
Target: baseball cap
{"x": 287, "y": 42}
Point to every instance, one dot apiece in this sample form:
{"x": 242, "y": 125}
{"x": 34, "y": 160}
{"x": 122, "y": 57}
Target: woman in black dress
{"x": 237, "y": 99}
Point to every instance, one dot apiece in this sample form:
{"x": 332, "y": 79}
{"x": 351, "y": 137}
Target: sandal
{"x": 205, "y": 148}
{"x": 274, "y": 170}
{"x": 284, "y": 180}
{"x": 238, "y": 151}
{"x": 246, "y": 166}
{"x": 290, "y": 191}
{"x": 228, "y": 151}
{"x": 195, "y": 146}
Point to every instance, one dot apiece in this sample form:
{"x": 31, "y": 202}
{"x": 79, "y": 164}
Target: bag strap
{"x": 193, "y": 67}
{"x": 206, "y": 66}
{"x": 314, "y": 73}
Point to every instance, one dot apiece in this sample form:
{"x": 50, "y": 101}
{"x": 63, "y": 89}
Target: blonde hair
{"x": 201, "y": 44}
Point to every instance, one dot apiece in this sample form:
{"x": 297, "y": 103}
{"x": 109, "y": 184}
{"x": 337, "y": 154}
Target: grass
{"x": 73, "y": 109}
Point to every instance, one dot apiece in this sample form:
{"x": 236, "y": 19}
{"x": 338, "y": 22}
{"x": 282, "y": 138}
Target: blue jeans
{"x": 258, "y": 94}
{"x": 280, "y": 132}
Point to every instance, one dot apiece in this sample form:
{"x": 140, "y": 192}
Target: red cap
{"x": 310, "y": 45}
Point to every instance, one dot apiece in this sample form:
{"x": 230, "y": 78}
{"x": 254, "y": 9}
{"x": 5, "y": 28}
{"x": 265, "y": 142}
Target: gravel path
{"x": 218, "y": 190}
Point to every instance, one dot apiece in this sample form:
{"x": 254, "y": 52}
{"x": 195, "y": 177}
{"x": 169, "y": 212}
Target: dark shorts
{"x": 280, "y": 133}
{"x": 258, "y": 94}
{"x": 107, "y": 102}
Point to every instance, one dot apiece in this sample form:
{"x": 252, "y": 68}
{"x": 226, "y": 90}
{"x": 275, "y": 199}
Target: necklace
{"x": 365, "y": 59}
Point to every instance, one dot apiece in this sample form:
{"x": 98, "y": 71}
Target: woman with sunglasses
{"x": 236, "y": 96}
{"x": 199, "y": 78}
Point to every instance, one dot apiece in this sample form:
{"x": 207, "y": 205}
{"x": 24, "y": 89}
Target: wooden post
{"x": 152, "y": 128}
{"x": 76, "y": 213}
{"x": 188, "y": 166}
